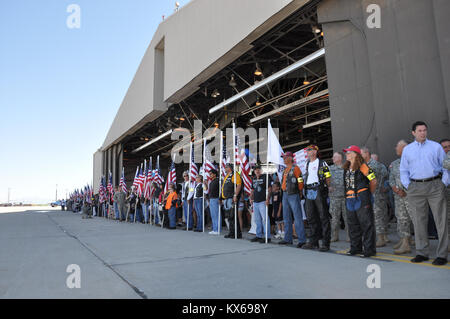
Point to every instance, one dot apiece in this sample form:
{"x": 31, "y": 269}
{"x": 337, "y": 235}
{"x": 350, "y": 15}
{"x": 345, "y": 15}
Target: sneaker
{"x": 263, "y": 240}
{"x": 255, "y": 239}
{"x": 283, "y": 242}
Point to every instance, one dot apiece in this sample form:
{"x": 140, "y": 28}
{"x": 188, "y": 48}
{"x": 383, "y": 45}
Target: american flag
{"x": 148, "y": 180}
{"x": 208, "y": 164}
{"x": 110, "y": 186}
{"x": 237, "y": 147}
{"x": 122, "y": 184}
{"x": 140, "y": 182}
{"x": 193, "y": 170}
{"x": 101, "y": 190}
{"x": 224, "y": 161}
{"x": 171, "y": 177}
{"x": 136, "y": 176}
{"x": 157, "y": 177}
{"x": 242, "y": 160}
{"x": 245, "y": 172}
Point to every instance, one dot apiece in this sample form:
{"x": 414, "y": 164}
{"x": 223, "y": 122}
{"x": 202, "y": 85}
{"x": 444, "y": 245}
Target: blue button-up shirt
{"x": 421, "y": 161}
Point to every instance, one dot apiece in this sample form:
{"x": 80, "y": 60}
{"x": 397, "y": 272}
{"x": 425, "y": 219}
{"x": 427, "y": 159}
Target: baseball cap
{"x": 258, "y": 166}
{"x": 287, "y": 154}
{"x": 352, "y": 148}
{"x": 312, "y": 147}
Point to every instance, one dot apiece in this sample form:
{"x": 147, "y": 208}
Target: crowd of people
{"x": 356, "y": 193}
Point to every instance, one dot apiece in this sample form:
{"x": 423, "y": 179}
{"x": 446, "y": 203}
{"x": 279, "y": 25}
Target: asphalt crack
{"x": 139, "y": 292}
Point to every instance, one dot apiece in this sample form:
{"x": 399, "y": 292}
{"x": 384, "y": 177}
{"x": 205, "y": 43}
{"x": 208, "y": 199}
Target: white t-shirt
{"x": 312, "y": 172}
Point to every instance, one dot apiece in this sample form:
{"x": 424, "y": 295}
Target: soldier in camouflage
{"x": 402, "y": 211}
{"x": 380, "y": 197}
{"x": 336, "y": 193}
{"x": 446, "y": 145}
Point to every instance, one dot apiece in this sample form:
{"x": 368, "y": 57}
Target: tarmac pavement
{"x": 124, "y": 260}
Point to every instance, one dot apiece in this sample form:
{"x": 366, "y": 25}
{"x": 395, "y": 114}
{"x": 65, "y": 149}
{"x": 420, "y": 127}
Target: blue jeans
{"x": 145, "y": 212}
{"x": 156, "y": 211}
{"x": 190, "y": 220}
{"x": 138, "y": 213}
{"x": 214, "y": 210}
{"x": 172, "y": 217}
{"x": 292, "y": 206}
{"x": 116, "y": 211}
{"x": 198, "y": 205}
{"x": 259, "y": 209}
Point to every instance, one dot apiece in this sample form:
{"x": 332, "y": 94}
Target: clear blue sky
{"x": 60, "y": 88}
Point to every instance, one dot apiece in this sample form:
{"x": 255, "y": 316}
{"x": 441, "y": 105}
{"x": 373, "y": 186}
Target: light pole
{"x": 9, "y": 193}
{"x": 56, "y": 198}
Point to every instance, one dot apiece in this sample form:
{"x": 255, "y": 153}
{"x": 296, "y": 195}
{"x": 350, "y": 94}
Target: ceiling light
{"x": 181, "y": 118}
{"x": 258, "y": 71}
{"x": 232, "y": 82}
{"x": 215, "y": 93}
{"x": 257, "y": 102}
{"x": 316, "y": 29}
{"x": 305, "y": 81}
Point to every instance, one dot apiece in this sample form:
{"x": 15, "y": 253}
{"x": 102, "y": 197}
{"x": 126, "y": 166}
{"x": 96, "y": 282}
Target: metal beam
{"x": 289, "y": 106}
{"x": 273, "y": 77}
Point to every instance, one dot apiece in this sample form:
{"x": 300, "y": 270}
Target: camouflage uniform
{"x": 380, "y": 199}
{"x": 336, "y": 194}
{"x": 446, "y": 165}
{"x": 402, "y": 210}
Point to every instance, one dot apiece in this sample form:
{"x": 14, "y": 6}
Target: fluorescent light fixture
{"x": 328, "y": 119}
{"x": 289, "y": 106}
{"x": 140, "y": 148}
{"x": 313, "y": 56}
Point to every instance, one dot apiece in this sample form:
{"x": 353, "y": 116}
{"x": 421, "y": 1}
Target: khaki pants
{"x": 419, "y": 196}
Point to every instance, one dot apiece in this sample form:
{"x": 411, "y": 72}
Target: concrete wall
{"x": 382, "y": 80}
{"x": 193, "y": 44}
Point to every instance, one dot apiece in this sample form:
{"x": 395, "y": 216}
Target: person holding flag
{"x": 231, "y": 189}
{"x": 260, "y": 198}
{"x": 187, "y": 192}
{"x": 198, "y": 202}
{"x": 213, "y": 193}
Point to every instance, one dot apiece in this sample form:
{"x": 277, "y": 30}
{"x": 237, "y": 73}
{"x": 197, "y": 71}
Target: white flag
{"x": 274, "y": 148}
{"x": 275, "y": 151}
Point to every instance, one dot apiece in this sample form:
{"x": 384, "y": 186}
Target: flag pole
{"x": 203, "y": 195}
{"x": 219, "y": 224}
{"x": 235, "y": 181}
{"x": 267, "y": 177}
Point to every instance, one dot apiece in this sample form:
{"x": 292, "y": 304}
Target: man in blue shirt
{"x": 424, "y": 178}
